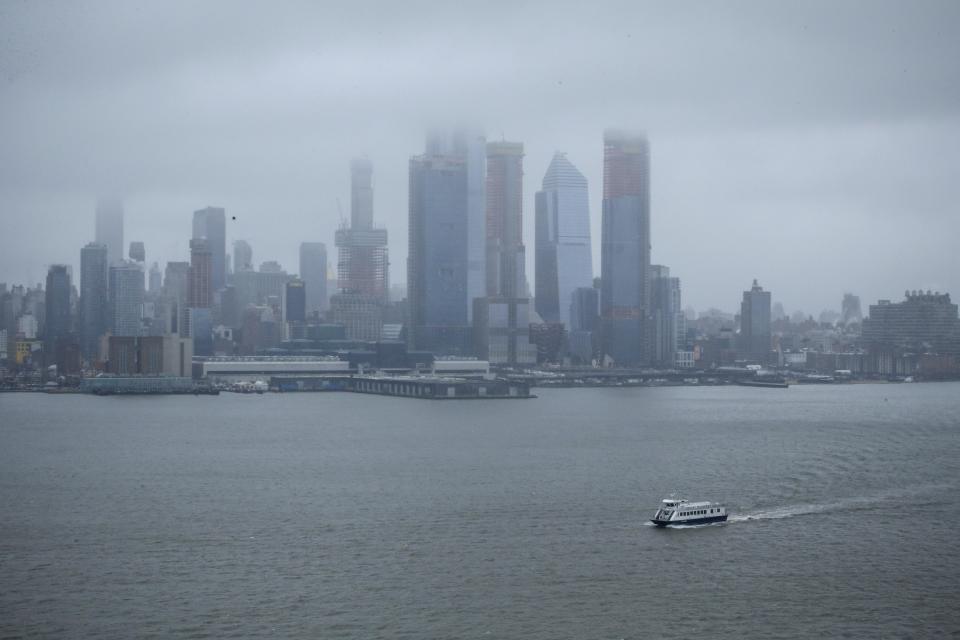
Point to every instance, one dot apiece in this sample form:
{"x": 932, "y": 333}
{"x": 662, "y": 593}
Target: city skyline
{"x": 779, "y": 134}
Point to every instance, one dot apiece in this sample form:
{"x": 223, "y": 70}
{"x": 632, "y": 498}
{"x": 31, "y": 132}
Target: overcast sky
{"x": 812, "y": 145}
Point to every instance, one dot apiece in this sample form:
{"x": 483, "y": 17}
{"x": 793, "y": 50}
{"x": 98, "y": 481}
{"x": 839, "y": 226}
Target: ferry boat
{"x": 673, "y": 512}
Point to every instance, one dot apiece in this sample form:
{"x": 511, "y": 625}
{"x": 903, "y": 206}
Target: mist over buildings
{"x": 814, "y": 146}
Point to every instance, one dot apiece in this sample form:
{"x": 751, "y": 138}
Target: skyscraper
{"x": 93, "y": 298}
{"x": 667, "y": 320}
{"x": 469, "y": 146}
{"x": 755, "y": 339}
{"x": 437, "y": 263}
{"x": 921, "y": 323}
{"x": 242, "y": 256}
{"x": 506, "y": 273}
{"x": 363, "y": 266}
{"x": 625, "y": 249}
{"x": 138, "y": 252}
{"x": 850, "y": 309}
{"x": 313, "y": 272}
{"x": 57, "y": 302}
{"x": 126, "y": 298}
{"x": 154, "y": 280}
{"x": 176, "y": 285}
{"x": 199, "y": 288}
{"x": 109, "y": 228}
{"x": 563, "y": 255}
{"x": 294, "y": 301}
{"x": 210, "y": 223}
{"x": 501, "y": 319}
{"x": 582, "y": 335}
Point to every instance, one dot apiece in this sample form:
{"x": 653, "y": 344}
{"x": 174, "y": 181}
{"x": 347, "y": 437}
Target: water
{"x": 345, "y": 516}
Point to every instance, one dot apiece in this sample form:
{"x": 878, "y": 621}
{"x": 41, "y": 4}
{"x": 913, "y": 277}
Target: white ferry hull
{"x": 690, "y": 521}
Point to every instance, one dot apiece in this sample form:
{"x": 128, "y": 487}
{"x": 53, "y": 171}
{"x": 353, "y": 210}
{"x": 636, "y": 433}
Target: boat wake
{"x": 846, "y": 504}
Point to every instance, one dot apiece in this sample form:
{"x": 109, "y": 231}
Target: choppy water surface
{"x": 338, "y": 515}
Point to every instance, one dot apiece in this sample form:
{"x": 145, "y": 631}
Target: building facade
{"x": 501, "y": 319}
{"x": 361, "y": 315}
{"x": 242, "y": 256}
{"x": 109, "y": 228}
{"x": 755, "y": 336}
{"x": 200, "y": 283}
{"x": 506, "y": 255}
{"x": 295, "y": 301}
{"x": 563, "y": 254}
{"x": 470, "y": 147}
{"x": 94, "y": 318}
{"x": 502, "y": 331}
{"x": 438, "y": 256}
{"x": 363, "y": 266}
{"x": 583, "y": 334}
{"x": 126, "y": 298}
{"x": 625, "y": 249}
{"x": 150, "y": 355}
{"x": 313, "y": 272}
{"x": 667, "y": 322}
{"x": 59, "y": 322}
{"x": 921, "y": 323}
{"x": 211, "y": 224}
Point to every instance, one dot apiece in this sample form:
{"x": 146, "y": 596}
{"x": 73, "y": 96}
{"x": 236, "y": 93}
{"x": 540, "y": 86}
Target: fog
{"x": 812, "y": 145}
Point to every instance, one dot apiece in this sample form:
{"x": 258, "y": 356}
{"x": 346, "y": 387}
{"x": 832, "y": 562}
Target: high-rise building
{"x": 585, "y": 309}
{"x": 363, "y": 266}
{"x": 506, "y": 273}
{"x": 469, "y": 146}
{"x": 126, "y": 298}
{"x": 94, "y": 320}
{"x": 922, "y": 323}
{"x": 502, "y": 330}
{"x": 176, "y": 285}
{"x": 242, "y": 256}
{"x": 313, "y": 272}
{"x": 850, "y": 309}
{"x": 625, "y": 249}
{"x": 501, "y": 319}
{"x": 668, "y": 324}
{"x": 755, "y": 335}
{"x": 138, "y": 252}
{"x": 176, "y": 280}
{"x": 109, "y": 228}
{"x": 154, "y": 280}
{"x": 361, "y": 315}
{"x": 200, "y": 287}
{"x": 294, "y": 301}
{"x": 563, "y": 254}
{"x": 58, "y": 322}
{"x": 211, "y": 224}
{"x": 150, "y": 355}
{"x": 438, "y": 257}
{"x": 582, "y": 336}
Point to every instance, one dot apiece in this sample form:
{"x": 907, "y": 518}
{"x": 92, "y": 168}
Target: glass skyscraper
{"x": 437, "y": 263}
{"x": 126, "y": 298}
{"x": 755, "y": 339}
{"x": 563, "y": 255}
{"x": 93, "y": 298}
{"x": 625, "y": 249}
{"x": 313, "y": 272}
{"x": 211, "y": 224}
{"x": 109, "y": 228}
{"x": 470, "y": 146}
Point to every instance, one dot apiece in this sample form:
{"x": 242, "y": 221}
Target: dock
{"x": 424, "y": 387}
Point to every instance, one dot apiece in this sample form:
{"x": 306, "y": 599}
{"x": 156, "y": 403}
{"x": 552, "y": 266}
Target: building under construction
{"x": 363, "y": 265}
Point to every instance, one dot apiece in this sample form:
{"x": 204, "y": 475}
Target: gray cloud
{"x": 811, "y": 145}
